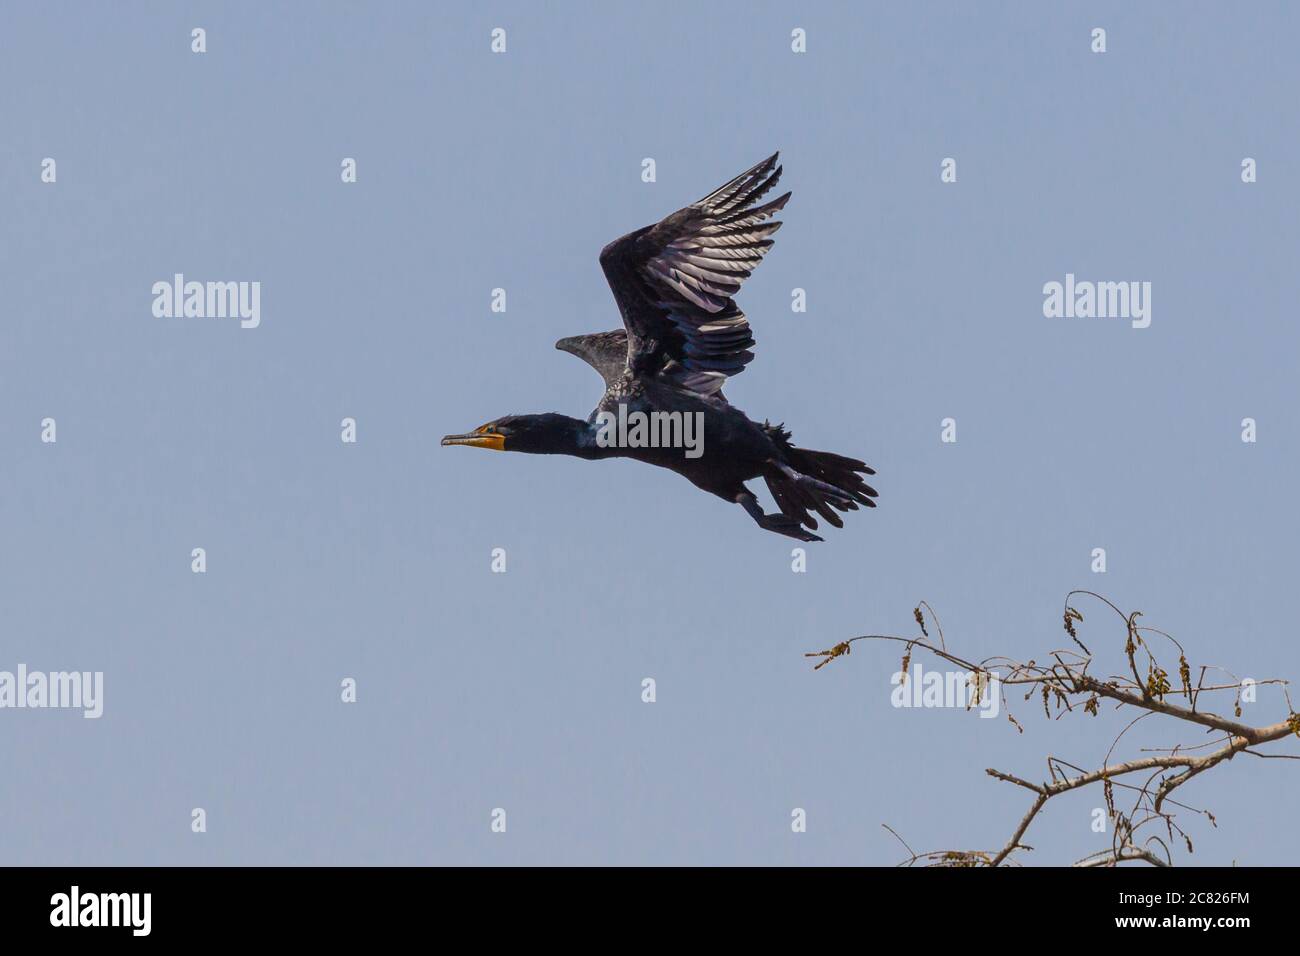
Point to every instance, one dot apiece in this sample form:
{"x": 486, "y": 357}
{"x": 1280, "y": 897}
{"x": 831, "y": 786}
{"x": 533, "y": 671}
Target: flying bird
{"x": 683, "y": 337}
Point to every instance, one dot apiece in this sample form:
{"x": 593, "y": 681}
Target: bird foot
{"x": 787, "y": 526}
{"x": 778, "y": 522}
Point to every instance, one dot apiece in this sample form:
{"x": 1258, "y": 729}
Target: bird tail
{"x": 816, "y": 481}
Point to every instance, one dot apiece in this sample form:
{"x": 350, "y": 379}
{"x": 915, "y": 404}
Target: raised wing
{"x": 606, "y": 352}
{"x": 673, "y": 282}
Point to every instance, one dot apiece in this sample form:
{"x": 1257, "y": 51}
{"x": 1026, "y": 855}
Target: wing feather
{"x": 675, "y": 281}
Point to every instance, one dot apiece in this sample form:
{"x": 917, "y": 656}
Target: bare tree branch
{"x": 1067, "y": 683}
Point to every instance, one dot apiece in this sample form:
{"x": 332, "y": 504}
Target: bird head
{"x": 548, "y": 433}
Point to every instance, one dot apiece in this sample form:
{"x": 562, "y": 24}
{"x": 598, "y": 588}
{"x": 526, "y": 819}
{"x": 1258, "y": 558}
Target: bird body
{"x": 683, "y": 337}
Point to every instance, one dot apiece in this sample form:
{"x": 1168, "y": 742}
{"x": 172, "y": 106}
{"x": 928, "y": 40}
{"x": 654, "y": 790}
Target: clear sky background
{"x": 522, "y": 690}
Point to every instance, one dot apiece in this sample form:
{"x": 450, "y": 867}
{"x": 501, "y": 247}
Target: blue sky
{"x": 522, "y": 690}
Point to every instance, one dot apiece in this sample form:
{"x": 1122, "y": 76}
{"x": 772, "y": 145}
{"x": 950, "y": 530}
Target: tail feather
{"x": 840, "y": 479}
{"x": 835, "y": 470}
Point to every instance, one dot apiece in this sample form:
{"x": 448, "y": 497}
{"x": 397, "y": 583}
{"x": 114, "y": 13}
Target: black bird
{"x": 683, "y": 337}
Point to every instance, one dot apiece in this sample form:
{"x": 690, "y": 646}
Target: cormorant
{"x": 683, "y": 337}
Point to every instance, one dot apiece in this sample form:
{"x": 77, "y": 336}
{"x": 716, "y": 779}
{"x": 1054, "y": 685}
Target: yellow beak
{"x": 482, "y": 438}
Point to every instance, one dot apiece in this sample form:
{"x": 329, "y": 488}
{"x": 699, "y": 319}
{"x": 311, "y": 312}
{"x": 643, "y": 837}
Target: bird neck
{"x": 563, "y": 435}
